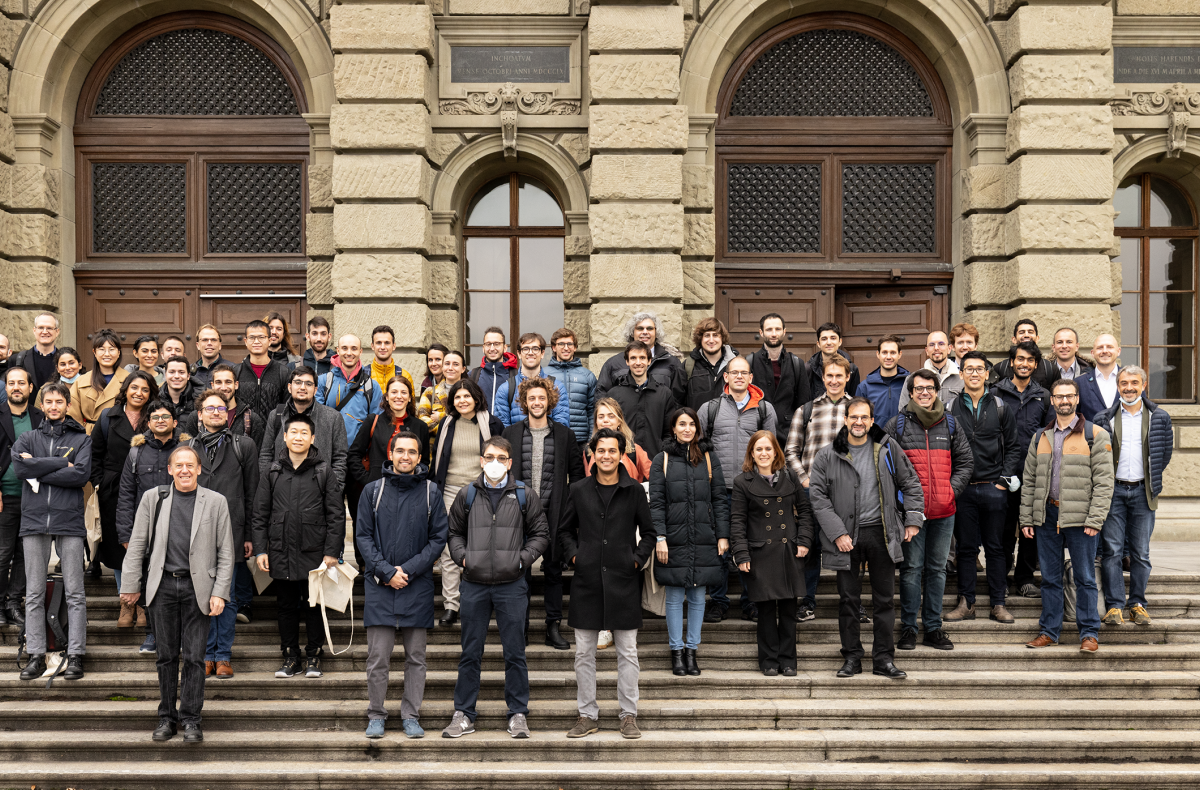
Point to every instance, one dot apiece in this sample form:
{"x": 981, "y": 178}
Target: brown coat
{"x": 86, "y": 404}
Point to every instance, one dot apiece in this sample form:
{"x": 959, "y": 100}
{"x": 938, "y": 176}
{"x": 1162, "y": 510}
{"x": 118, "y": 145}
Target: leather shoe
{"x": 224, "y": 670}
{"x": 677, "y": 665}
{"x": 1089, "y": 645}
{"x": 3, "y": 616}
{"x": 890, "y": 671}
{"x": 689, "y": 661}
{"x": 1041, "y": 641}
{"x": 555, "y": 639}
{"x": 851, "y": 668}
{"x": 192, "y": 733}
{"x": 34, "y": 669}
{"x": 165, "y": 731}
{"x": 960, "y": 612}
{"x": 907, "y": 640}
{"x": 209, "y": 668}
{"x": 16, "y": 614}
{"x": 449, "y": 617}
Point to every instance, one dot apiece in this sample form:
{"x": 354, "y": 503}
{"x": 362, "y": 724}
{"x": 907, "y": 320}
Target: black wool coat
{"x": 568, "y": 468}
{"x": 692, "y": 512}
{"x": 109, "y": 450}
{"x": 602, "y": 546}
{"x": 767, "y": 522}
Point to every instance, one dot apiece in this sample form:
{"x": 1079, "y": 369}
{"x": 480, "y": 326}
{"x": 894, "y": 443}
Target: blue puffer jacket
{"x": 883, "y": 393}
{"x": 508, "y": 411}
{"x": 57, "y": 507}
{"x": 408, "y": 531}
{"x": 577, "y": 386}
{"x": 1157, "y": 449}
{"x": 333, "y": 390}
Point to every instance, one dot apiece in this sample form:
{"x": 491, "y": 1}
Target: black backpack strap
{"x": 1088, "y": 433}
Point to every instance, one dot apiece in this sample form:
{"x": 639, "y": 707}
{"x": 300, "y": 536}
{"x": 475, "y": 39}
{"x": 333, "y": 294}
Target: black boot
{"x": 449, "y": 617}
{"x": 677, "y": 667}
{"x": 74, "y": 670}
{"x": 689, "y": 661}
{"x": 16, "y": 613}
{"x": 554, "y": 639}
{"x": 34, "y": 669}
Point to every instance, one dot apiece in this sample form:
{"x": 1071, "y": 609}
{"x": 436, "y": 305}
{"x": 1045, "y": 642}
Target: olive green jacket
{"x": 1085, "y": 480}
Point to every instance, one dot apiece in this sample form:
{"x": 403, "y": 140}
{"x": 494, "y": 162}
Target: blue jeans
{"x": 925, "y": 566}
{"x": 695, "y": 616}
{"x": 243, "y": 586}
{"x": 1129, "y": 525}
{"x": 220, "y": 634}
{"x": 477, "y": 601}
{"x": 1050, "y": 542}
{"x": 720, "y": 592}
{"x": 812, "y": 573}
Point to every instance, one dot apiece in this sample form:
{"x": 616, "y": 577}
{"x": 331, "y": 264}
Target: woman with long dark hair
{"x": 68, "y": 367}
{"x": 368, "y": 454}
{"x": 96, "y": 390}
{"x": 433, "y": 367}
{"x": 691, "y": 519}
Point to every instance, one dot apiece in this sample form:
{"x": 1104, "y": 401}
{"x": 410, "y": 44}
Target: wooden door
{"x": 803, "y": 310}
{"x": 910, "y": 312}
{"x": 230, "y": 313}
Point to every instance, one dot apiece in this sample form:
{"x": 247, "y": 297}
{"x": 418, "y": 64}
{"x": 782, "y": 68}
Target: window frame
{"x": 1144, "y": 233}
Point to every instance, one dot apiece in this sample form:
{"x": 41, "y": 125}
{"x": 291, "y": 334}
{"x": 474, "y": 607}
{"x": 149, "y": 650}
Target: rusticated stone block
{"x": 701, "y": 235}
{"x": 406, "y": 226}
{"x": 379, "y": 126}
{"x": 320, "y": 191}
{"x": 10, "y": 34}
{"x": 446, "y": 328}
{"x": 698, "y": 186}
{"x": 1038, "y": 127}
{"x": 17, "y": 326}
{"x": 983, "y": 236}
{"x": 994, "y": 335}
{"x": 575, "y": 282}
{"x": 5, "y": 73}
{"x": 6, "y": 179}
{"x": 403, "y": 276}
{"x": 637, "y": 177}
{"x": 319, "y": 229}
{"x": 642, "y": 276}
{"x": 639, "y": 226}
{"x": 983, "y": 187}
{"x": 1052, "y": 277}
{"x": 441, "y": 146}
{"x": 444, "y": 247}
{"x": 30, "y": 284}
{"x": 380, "y": 76}
{"x": 641, "y": 126}
{"x": 636, "y": 28}
{"x": 577, "y": 146}
{"x": 699, "y": 282}
{"x": 578, "y": 245}
{"x": 411, "y": 321}
{"x": 382, "y": 176}
{"x": 1058, "y": 177}
{"x": 1160, "y": 8}
{"x": 1058, "y": 27}
{"x": 1056, "y": 227}
{"x": 1088, "y": 320}
{"x": 8, "y": 138}
{"x": 445, "y": 282}
{"x": 390, "y": 27}
{"x": 634, "y": 76}
{"x": 320, "y": 282}
{"x": 608, "y": 320}
{"x": 511, "y": 7}
{"x": 30, "y": 236}
{"x": 1078, "y": 76}
{"x": 580, "y": 322}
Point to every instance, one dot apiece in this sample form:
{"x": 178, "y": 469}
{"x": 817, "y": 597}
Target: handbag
{"x": 333, "y": 587}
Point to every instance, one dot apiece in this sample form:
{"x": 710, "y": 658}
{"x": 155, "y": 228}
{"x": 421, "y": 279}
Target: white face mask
{"x": 494, "y": 470}
{"x": 1130, "y": 402}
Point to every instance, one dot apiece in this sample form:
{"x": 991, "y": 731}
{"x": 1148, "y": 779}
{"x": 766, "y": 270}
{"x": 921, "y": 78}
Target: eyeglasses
{"x": 936, "y": 344}
{"x": 303, "y": 384}
{"x": 500, "y": 458}
{"x": 160, "y": 418}
{"x": 1064, "y": 398}
{"x": 214, "y": 410}
{"x": 738, "y": 374}
{"x": 564, "y": 344}
{"x": 924, "y": 389}
{"x": 492, "y": 345}
{"x": 859, "y": 418}
{"x": 975, "y": 370}
{"x": 255, "y": 338}
{"x": 524, "y": 349}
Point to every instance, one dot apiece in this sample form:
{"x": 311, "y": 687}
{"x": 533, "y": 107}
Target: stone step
{"x": 495, "y": 746}
{"x": 675, "y": 714}
{"x": 941, "y": 684}
{"x": 191, "y": 768}
{"x": 656, "y": 657}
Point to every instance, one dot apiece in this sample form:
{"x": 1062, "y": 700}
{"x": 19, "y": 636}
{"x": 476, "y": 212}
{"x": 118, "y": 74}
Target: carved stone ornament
{"x": 1175, "y": 102}
{"x": 509, "y": 100}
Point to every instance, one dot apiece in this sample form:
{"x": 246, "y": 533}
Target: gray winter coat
{"x": 832, "y": 489}
{"x": 732, "y": 429}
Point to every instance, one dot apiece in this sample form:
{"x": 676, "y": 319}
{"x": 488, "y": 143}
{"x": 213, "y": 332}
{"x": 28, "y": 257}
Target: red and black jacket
{"x": 941, "y": 455}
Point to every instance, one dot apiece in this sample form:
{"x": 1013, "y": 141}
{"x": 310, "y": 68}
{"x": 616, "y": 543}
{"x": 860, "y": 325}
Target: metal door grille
{"x": 774, "y": 208}
{"x": 254, "y": 208}
{"x": 889, "y": 208}
{"x": 139, "y": 208}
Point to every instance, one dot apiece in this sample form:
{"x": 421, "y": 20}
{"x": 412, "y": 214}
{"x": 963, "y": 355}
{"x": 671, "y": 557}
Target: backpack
{"x": 56, "y": 627}
{"x": 471, "y": 491}
{"x": 1087, "y": 434}
{"x": 711, "y": 422}
{"x": 349, "y": 394}
{"x": 901, "y": 420}
{"x": 379, "y": 496}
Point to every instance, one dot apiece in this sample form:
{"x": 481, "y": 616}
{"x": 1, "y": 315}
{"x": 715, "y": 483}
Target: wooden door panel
{"x": 867, "y": 314}
{"x": 803, "y": 310}
{"x": 230, "y": 314}
{"x": 135, "y": 312}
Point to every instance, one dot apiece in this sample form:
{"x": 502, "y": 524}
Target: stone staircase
{"x": 989, "y": 714}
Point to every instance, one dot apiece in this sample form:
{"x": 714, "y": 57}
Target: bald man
{"x": 937, "y": 359}
{"x": 1098, "y": 385}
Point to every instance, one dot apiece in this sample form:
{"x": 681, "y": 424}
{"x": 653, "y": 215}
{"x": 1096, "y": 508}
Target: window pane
{"x": 1171, "y": 373}
{"x": 536, "y": 207}
{"x": 774, "y": 208}
{"x": 1168, "y": 206}
{"x": 1171, "y": 264}
{"x": 541, "y": 264}
{"x": 1170, "y": 319}
{"x": 1131, "y": 355}
{"x": 1128, "y": 203}
{"x": 889, "y": 208}
{"x": 484, "y": 309}
{"x": 139, "y": 207}
{"x": 1130, "y": 325}
{"x": 1131, "y": 260}
{"x": 541, "y": 312}
{"x": 490, "y": 206}
{"x": 487, "y": 264}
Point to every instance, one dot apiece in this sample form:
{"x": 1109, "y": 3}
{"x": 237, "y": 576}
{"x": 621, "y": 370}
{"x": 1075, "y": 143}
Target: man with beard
{"x": 1044, "y": 374}
{"x": 780, "y": 374}
{"x": 17, "y": 417}
{"x": 317, "y": 355}
{"x": 241, "y": 418}
{"x": 937, "y": 360}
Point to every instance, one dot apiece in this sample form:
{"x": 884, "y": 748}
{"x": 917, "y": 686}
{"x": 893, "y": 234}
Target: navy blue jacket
{"x": 579, "y": 385}
{"x": 883, "y": 393}
{"x": 1031, "y": 409}
{"x": 408, "y": 530}
{"x": 490, "y": 375}
{"x": 1156, "y": 450}
{"x": 1091, "y": 402}
{"x": 57, "y": 507}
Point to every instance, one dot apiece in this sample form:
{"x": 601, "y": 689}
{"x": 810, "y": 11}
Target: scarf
{"x": 928, "y": 417}
{"x": 211, "y": 440}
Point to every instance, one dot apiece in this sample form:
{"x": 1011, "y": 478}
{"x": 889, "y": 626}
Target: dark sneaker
{"x": 750, "y": 613}
{"x": 291, "y": 667}
{"x": 375, "y": 729}
{"x": 714, "y": 613}
{"x": 938, "y": 640}
{"x": 1030, "y": 590}
{"x": 148, "y": 647}
{"x": 312, "y": 667}
{"x": 245, "y": 615}
{"x": 805, "y": 613}
{"x": 908, "y": 640}
{"x": 74, "y": 670}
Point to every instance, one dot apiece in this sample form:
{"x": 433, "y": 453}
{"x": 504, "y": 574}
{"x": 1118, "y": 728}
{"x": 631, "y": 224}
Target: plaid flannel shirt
{"x": 803, "y": 442}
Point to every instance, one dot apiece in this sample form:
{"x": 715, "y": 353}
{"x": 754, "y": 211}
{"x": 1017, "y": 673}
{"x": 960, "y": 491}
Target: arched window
{"x": 1158, "y": 230}
{"x": 514, "y": 276}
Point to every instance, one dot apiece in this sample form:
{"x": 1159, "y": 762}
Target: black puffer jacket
{"x": 245, "y": 423}
{"x": 262, "y": 395}
{"x": 62, "y": 463}
{"x": 145, "y": 467}
{"x": 646, "y": 410}
{"x": 692, "y": 512}
{"x": 707, "y": 380}
{"x": 495, "y": 546}
{"x": 298, "y": 516}
{"x": 562, "y": 465}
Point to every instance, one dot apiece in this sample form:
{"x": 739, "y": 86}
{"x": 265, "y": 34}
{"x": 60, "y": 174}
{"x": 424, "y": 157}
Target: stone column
{"x": 380, "y": 133}
{"x": 637, "y": 135}
{"x": 1047, "y": 256}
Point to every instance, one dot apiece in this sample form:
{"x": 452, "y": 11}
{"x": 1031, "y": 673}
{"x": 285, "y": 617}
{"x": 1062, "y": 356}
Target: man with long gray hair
{"x": 666, "y": 367}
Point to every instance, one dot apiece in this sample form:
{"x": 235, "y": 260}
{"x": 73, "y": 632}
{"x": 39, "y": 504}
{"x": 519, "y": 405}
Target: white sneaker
{"x": 517, "y": 727}
{"x": 604, "y": 640}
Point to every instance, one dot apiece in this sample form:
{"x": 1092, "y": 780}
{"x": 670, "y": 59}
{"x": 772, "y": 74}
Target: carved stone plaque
{"x": 1156, "y": 64}
{"x": 510, "y": 64}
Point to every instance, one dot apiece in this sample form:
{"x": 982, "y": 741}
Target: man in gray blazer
{"x": 187, "y": 532}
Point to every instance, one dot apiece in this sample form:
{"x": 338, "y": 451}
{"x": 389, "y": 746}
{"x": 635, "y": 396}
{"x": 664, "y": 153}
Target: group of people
{"x": 653, "y": 483}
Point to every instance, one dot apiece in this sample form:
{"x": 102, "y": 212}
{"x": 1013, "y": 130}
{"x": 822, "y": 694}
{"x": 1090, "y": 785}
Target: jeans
{"x": 37, "y": 557}
{"x": 1025, "y": 564}
{"x": 1129, "y": 525}
{"x": 812, "y": 577}
{"x": 243, "y": 586}
{"x": 220, "y": 635}
{"x": 509, "y": 602}
{"x": 12, "y": 555}
{"x": 674, "y": 614}
{"x": 292, "y": 596}
{"x": 553, "y": 583}
{"x": 924, "y": 566}
{"x": 381, "y": 640}
{"x": 872, "y": 549}
{"x": 720, "y": 592}
{"x": 777, "y": 634}
{"x": 585, "y": 672}
{"x": 1051, "y": 542}
{"x": 181, "y": 631}
{"x": 980, "y": 519}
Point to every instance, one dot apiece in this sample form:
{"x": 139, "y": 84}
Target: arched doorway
{"x": 833, "y": 144}
{"x": 191, "y": 157}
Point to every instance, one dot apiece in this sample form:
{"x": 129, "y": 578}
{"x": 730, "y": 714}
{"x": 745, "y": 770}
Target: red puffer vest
{"x": 929, "y": 452}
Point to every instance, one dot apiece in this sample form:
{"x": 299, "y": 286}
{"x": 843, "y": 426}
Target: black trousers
{"x": 1026, "y": 548}
{"x": 182, "y": 632}
{"x": 292, "y": 596}
{"x": 777, "y": 634}
{"x": 12, "y": 556}
{"x": 872, "y": 549}
{"x": 979, "y": 520}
